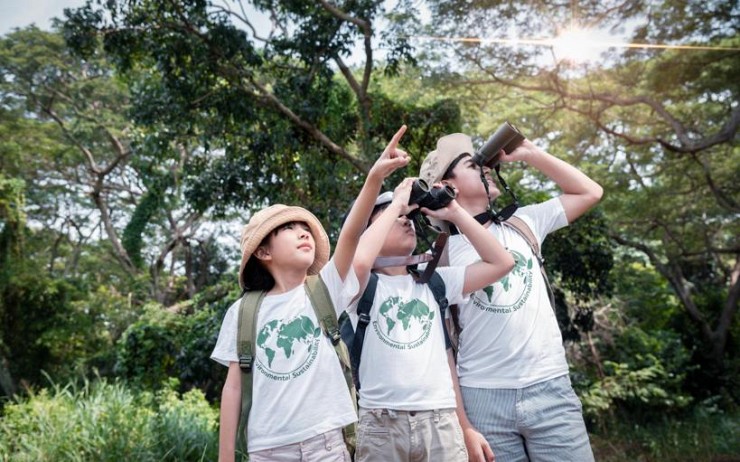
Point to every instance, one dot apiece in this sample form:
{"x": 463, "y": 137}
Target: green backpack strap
{"x": 322, "y": 305}
{"x": 246, "y": 350}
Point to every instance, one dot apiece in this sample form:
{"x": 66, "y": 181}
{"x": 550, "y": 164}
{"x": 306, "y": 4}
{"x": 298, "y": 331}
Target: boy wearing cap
{"x": 407, "y": 398}
{"x": 300, "y": 398}
{"x": 511, "y": 363}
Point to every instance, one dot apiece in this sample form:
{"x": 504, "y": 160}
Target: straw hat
{"x": 448, "y": 149}
{"x": 266, "y": 220}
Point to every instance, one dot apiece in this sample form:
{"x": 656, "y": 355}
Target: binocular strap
{"x": 431, "y": 260}
{"x": 384, "y": 262}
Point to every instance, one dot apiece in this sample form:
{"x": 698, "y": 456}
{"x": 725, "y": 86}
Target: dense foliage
{"x": 108, "y": 422}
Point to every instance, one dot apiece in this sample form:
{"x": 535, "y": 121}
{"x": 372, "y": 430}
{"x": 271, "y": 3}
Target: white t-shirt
{"x": 510, "y": 336}
{"x": 299, "y": 388}
{"x": 404, "y": 359}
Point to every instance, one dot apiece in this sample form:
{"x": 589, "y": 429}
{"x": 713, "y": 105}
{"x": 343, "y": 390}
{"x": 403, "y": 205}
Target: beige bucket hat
{"x": 266, "y": 220}
{"x": 449, "y": 148}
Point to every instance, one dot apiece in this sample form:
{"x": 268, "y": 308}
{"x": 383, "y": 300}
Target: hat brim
{"x": 266, "y": 220}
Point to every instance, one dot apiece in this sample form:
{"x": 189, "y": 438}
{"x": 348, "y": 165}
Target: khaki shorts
{"x": 327, "y": 447}
{"x": 386, "y": 435}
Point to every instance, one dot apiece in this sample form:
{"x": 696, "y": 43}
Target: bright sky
{"x": 21, "y": 13}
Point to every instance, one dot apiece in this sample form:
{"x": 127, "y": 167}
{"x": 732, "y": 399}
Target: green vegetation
{"x": 106, "y": 421}
{"x": 703, "y": 434}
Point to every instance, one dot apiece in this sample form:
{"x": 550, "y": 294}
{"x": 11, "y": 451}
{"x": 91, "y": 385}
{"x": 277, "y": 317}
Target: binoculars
{"x": 506, "y": 137}
{"x": 431, "y": 198}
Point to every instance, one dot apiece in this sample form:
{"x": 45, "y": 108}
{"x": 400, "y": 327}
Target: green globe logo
{"x": 403, "y": 325}
{"x": 287, "y": 348}
{"x": 511, "y": 292}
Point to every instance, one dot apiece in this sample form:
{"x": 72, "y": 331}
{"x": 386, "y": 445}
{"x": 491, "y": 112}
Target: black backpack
{"x": 354, "y": 339}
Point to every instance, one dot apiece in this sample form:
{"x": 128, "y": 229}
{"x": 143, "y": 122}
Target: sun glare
{"x": 577, "y": 45}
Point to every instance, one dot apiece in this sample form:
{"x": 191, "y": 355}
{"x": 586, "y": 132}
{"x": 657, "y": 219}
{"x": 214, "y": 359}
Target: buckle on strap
{"x": 363, "y": 319}
{"x": 335, "y": 336}
{"x": 245, "y": 362}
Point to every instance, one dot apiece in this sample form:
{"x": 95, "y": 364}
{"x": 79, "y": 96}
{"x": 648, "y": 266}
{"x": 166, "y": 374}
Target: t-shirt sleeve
{"x": 341, "y": 292}
{"x": 544, "y": 218}
{"x": 454, "y": 278}
{"x": 225, "y": 350}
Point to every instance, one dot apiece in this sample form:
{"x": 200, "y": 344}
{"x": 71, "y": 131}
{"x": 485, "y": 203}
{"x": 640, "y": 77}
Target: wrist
{"x": 396, "y": 207}
{"x": 375, "y": 178}
{"x": 533, "y": 156}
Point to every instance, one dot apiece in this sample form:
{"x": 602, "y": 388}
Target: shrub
{"x": 104, "y": 421}
{"x": 148, "y": 348}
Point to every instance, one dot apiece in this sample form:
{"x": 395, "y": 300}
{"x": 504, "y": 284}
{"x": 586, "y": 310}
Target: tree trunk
{"x": 6, "y": 380}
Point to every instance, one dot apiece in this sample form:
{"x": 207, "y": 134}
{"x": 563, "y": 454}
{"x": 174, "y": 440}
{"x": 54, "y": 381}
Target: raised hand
{"x": 401, "y": 196}
{"x": 521, "y": 153}
{"x": 392, "y": 157}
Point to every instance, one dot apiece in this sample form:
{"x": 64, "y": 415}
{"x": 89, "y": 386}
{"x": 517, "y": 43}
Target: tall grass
{"x": 702, "y": 435}
{"x": 101, "y": 421}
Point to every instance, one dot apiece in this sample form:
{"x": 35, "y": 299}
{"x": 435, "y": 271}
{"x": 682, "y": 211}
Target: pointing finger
{"x": 396, "y": 138}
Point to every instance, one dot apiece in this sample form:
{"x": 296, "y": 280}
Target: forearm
{"x": 372, "y": 240}
{"x": 355, "y": 224}
{"x": 478, "y": 448}
{"x": 580, "y": 192}
{"x": 567, "y": 177}
{"x": 483, "y": 241}
{"x": 229, "y": 417}
{"x": 459, "y": 407}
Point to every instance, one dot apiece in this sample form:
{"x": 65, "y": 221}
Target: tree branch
{"x": 674, "y": 275}
{"x": 367, "y": 32}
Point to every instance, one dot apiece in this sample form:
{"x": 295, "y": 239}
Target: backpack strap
{"x": 437, "y": 285}
{"x": 521, "y": 228}
{"x": 363, "y": 319}
{"x": 246, "y": 350}
{"x": 452, "y": 324}
{"x": 322, "y": 305}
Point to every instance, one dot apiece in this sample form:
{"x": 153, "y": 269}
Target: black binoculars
{"x": 506, "y": 137}
{"x": 431, "y": 198}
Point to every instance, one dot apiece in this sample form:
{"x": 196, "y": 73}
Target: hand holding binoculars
{"x": 432, "y": 198}
{"x": 506, "y": 137}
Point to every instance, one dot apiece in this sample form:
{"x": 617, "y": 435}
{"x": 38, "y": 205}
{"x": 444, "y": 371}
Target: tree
{"x": 281, "y": 116}
{"x": 70, "y": 134}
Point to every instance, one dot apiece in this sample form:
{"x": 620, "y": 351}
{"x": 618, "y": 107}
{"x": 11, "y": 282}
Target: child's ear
{"x": 262, "y": 253}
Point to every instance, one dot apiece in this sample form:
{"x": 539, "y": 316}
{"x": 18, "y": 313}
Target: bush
{"x": 703, "y": 433}
{"x": 644, "y": 378}
{"x": 104, "y": 421}
{"x": 163, "y": 344}
{"x": 148, "y": 348}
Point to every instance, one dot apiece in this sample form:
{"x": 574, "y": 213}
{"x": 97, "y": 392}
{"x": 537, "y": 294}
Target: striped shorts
{"x": 542, "y": 422}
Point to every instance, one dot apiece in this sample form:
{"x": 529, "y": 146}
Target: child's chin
{"x": 304, "y": 262}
